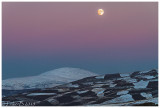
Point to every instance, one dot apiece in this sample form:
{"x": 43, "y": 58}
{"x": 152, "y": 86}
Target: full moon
{"x": 100, "y": 11}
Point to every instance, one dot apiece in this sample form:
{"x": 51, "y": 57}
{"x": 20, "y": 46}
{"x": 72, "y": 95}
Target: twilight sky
{"x": 38, "y": 37}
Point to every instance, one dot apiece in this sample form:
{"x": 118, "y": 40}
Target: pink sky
{"x": 36, "y": 30}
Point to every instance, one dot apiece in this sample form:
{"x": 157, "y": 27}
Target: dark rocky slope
{"x": 127, "y": 89}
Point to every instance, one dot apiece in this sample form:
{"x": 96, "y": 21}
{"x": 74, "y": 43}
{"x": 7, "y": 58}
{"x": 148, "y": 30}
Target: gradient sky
{"x": 38, "y": 37}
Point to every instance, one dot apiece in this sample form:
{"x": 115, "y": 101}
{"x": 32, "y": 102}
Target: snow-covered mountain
{"x": 139, "y": 88}
{"x": 45, "y": 80}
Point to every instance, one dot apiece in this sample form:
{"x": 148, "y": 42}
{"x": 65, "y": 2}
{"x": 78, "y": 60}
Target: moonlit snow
{"x": 141, "y": 84}
{"x": 110, "y": 90}
{"x": 37, "y": 94}
{"x": 121, "y": 99}
{"x": 48, "y": 79}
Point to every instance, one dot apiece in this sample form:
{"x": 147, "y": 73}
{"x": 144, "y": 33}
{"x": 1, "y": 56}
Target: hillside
{"x": 127, "y": 89}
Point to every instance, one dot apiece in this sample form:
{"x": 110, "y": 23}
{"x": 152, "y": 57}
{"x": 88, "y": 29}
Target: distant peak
{"x": 69, "y": 72}
{"x": 47, "y": 79}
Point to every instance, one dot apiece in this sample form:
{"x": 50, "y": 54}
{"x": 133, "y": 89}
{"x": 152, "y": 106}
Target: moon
{"x": 100, "y": 11}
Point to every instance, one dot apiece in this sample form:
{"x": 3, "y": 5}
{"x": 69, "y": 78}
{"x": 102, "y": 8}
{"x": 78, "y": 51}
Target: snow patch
{"x": 122, "y": 92}
{"x": 98, "y": 85}
{"x": 80, "y": 92}
{"x": 146, "y": 95}
{"x": 88, "y": 83}
{"x": 52, "y": 101}
{"x": 99, "y": 91}
{"x": 141, "y": 84}
{"x": 129, "y": 79}
{"x": 72, "y": 85}
{"x": 100, "y": 77}
{"x": 148, "y": 77}
{"x": 37, "y": 94}
{"x": 121, "y": 99}
{"x": 124, "y": 74}
{"x": 142, "y": 72}
{"x": 111, "y": 84}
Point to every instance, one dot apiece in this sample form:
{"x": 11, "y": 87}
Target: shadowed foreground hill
{"x": 127, "y": 89}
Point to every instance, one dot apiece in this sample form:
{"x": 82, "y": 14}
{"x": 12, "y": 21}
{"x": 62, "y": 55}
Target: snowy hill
{"x": 139, "y": 88}
{"x": 45, "y": 80}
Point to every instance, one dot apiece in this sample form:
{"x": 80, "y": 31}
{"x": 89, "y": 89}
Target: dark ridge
{"x": 152, "y": 72}
{"x": 105, "y": 86}
{"x": 134, "y": 74}
{"x": 84, "y": 80}
{"x": 9, "y": 99}
{"x": 39, "y": 97}
{"x": 88, "y": 93}
{"x": 137, "y": 96}
{"x": 71, "y": 94}
{"x": 44, "y": 103}
{"x": 46, "y": 91}
{"x": 112, "y": 76}
{"x": 132, "y": 91}
{"x": 122, "y": 83}
{"x": 111, "y": 94}
{"x": 140, "y": 78}
{"x": 155, "y": 93}
{"x": 147, "y": 104}
{"x": 73, "y": 104}
{"x": 101, "y": 100}
{"x": 153, "y": 85}
{"x": 65, "y": 99}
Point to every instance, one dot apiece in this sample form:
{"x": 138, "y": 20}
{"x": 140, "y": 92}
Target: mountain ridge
{"x": 138, "y": 88}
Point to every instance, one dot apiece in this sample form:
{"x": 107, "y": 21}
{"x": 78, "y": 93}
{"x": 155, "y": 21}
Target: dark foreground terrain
{"x": 127, "y": 89}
